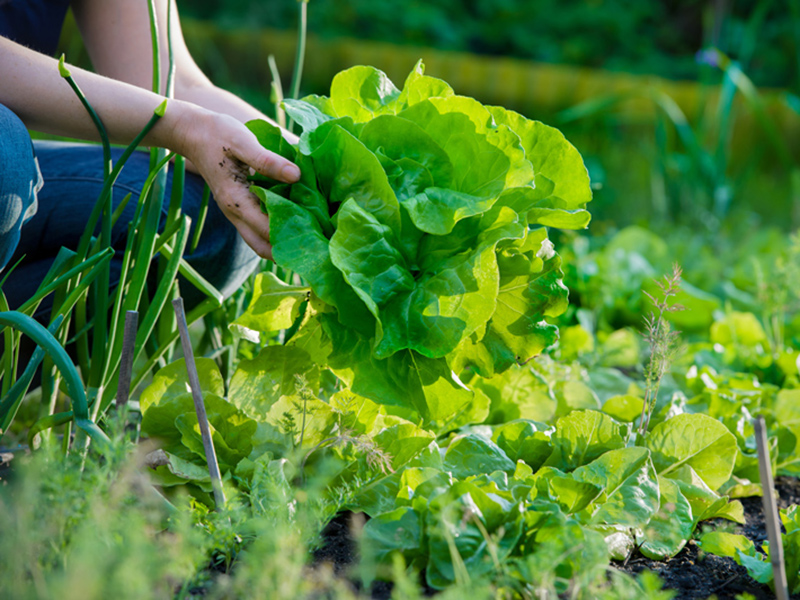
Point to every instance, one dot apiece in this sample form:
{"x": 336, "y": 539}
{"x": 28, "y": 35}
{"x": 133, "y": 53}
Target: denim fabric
{"x": 73, "y": 180}
{"x": 19, "y": 182}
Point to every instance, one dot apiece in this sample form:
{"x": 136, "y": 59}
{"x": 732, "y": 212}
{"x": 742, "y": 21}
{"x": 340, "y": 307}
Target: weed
{"x": 664, "y": 342}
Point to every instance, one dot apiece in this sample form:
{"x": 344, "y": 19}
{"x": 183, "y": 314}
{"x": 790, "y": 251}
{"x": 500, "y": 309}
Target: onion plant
{"x": 79, "y": 283}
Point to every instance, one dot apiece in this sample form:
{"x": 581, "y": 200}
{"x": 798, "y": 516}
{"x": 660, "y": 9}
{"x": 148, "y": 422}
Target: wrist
{"x": 178, "y": 129}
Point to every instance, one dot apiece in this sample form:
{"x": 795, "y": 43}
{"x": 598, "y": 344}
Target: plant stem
{"x": 303, "y": 426}
{"x": 300, "y": 55}
{"x": 277, "y": 91}
{"x": 45, "y": 339}
{"x": 201, "y": 219}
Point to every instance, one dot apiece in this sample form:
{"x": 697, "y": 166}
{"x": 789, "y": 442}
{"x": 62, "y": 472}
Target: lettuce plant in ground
{"x": 419, "y": 227}
{"x": 758, "y": 564}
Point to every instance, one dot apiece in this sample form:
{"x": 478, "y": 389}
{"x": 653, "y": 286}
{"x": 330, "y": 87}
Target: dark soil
{"x": 691, "y": 573}
{"x": 340, "y": 549}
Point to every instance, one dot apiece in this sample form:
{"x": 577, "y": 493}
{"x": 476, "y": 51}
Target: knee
{"x": 19, "y": 181}
{"x": 223, "y": 258}
{"x": 15, "y": 143}
{"x": 20, "y": 173}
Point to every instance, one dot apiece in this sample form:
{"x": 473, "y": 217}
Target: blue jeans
{"x": 20, "y": 180}
{"x": 73, "y": 178}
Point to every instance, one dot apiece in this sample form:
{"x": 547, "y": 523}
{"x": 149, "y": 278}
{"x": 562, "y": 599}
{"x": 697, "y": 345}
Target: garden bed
{"x": 422, "y": 362}
{"x": 691, "y": 574}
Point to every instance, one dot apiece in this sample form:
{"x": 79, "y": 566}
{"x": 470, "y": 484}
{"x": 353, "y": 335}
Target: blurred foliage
{"x": 623, "y": 35}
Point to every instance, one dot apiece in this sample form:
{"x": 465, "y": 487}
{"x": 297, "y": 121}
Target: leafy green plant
{"x": 483, "y": 502}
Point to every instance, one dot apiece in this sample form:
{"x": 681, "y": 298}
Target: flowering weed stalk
{"x": 663, "y": 341}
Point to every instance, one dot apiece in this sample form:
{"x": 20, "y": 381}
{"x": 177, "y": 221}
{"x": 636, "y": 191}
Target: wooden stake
{"x": 200, "y": 407}
{"x": 771, "y": 515}
{"x": 126, "y": 358}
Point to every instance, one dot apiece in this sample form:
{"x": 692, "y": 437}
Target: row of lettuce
{"x": 547, "y": 480}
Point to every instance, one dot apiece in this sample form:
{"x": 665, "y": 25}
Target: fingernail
{"x": 290, "y": 173}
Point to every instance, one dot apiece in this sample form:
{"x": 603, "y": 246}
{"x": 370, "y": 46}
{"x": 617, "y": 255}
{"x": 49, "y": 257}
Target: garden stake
{"x": 771, "y": 511}
{"x": 202, "y": 418}
{"x": 126, "y": 359}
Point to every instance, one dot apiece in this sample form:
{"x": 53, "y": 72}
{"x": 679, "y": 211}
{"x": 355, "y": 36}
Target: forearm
{"x": 207, "y": 95}
{"x": 116, "y": 33}
{"x": 212, "y": 137}
{"x": 33, "y": 88}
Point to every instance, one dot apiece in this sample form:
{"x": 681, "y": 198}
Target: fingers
{"x": 268, "y": 163}
{"x": 226, "y": 152}
{"x": 259, "y": 245}
{"x": 244, "y": 210}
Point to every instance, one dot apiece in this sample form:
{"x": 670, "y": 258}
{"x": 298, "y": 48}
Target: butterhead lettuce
{"x": 419, "y": 225}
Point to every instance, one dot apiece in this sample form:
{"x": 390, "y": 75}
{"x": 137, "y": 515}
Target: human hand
{"x": 224, "y": 151}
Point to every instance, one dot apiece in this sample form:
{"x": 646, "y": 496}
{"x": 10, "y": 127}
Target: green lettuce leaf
{"x": 461, "y": 518}
{"x": 583, "y": 436}
{"x": 695, "y": 440}
{"x": 671, "y": 527}
{"x": 530, "y": 290}
{"x": 259, "y": 383}
{"x": 410, "y": 226}
{"x": 400, "y": 530}
{"x": 473, "y": 455}
{"x": 231, "y": 431}
{"x": 524, "y": 440}
{"x": 551, "y": 156}
{"x": 275, "y": 305}
{"x": 362, "y": 93}
{"x": 630, "y": 492}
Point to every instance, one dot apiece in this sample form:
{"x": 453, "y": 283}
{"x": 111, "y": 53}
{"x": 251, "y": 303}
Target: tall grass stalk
{"x": 300, "y": 54}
